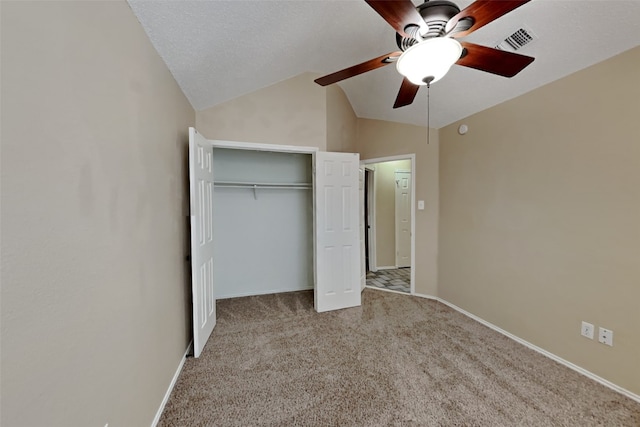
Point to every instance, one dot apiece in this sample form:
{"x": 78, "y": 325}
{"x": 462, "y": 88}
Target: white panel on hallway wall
{"x": 403, "y": 214}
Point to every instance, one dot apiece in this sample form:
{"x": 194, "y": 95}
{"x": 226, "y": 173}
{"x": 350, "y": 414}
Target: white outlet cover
{"x": 605, "y": 336}
{"x": 587, "y": 330}
{"x": 420, "y": 205}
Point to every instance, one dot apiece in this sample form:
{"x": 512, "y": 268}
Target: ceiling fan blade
{"x": 481, "y": 13}
{"x": 407, "y": 94}
{"x": 399, "y": 14}
{"x": 369, "y": 65}
{"x": 500, "y": 62}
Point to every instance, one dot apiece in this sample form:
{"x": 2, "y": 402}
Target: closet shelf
{"x": 255, "y": 185}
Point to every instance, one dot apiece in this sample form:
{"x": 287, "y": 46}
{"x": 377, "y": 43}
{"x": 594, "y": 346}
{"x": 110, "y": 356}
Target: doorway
{"x": 389, "y": 195}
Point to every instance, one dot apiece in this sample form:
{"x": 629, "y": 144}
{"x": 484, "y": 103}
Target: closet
{"x": 263, "y": 220}
{"x": 271, "y": 218}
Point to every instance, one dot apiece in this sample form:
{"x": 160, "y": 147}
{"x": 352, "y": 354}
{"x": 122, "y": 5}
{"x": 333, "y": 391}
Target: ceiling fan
{"x": 426, "y": 36}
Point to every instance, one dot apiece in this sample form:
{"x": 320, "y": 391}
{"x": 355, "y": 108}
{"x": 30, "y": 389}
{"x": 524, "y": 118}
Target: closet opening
{"x": 263, "y": 222}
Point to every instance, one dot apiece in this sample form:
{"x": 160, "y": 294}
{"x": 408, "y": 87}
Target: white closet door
{"x": 337, "y": 231}
{"x": 201, "y": 192}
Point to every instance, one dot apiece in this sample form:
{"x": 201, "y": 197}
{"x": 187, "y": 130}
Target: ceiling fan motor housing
{"x": 436, "y": 13}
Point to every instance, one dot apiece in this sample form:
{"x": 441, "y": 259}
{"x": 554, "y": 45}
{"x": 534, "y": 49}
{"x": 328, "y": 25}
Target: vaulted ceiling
{"x": 219, "y": 50}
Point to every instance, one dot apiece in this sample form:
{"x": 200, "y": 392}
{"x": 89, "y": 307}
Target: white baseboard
{"x": 156, "y": 419}
{"x": 388, "y": 267}
{"x": 375, "y": 288}
{"x": 426, "y": 296}
{"x": 540, "y": 350}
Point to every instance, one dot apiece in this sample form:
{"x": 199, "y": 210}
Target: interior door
{"x": 403, "y": 219}
{"x": 337, "y": 238}
{"x": 201, "y": 195}
{"x": 361, "y": 213}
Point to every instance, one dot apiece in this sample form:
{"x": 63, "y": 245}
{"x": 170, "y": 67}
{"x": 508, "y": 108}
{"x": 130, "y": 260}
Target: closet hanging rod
{"x": 279, "y": 187}
{"x": 262, "y": 185}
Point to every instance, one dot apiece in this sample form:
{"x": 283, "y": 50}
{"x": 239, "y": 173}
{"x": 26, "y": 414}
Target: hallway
{"x": 396, "y": 279}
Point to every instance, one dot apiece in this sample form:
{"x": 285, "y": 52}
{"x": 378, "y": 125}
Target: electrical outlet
{"x": 605, "y": 336}
{"x": 587, "y": 330}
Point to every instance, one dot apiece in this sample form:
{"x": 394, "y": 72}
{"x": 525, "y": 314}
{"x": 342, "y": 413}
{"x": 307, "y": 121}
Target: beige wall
{"x": 385, "y": 209}
{"x": 295, "y": 112}
{"x": 342, "y": 123}
{"x": 292, "y": 112}
{"x": 377, "y": 139}
{"x": 95, "y": 294}
{"x": 299, "y": 112}
{"x": 540, "y": 216}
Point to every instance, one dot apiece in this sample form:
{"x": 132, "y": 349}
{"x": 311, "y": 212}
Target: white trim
{"x": 156, "y": 419}
{"x": 362, "y": 213}
{"x": 371, "y": 210}
{"x": 237, "y": 145}
{"x": 431, "y": 297}
{"x": 240, "y": 145}
{"x": 414, "y": 172}
{"x": 387, "y": 267}
{"x": 390, "y": 159}
{"x": 375, "y": 288}
{"x": 540, "y": 350}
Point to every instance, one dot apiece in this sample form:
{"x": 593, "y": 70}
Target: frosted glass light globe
{"x": 429, "y": 58}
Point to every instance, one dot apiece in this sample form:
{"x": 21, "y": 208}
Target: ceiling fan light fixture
{"x": 429, "y": 60}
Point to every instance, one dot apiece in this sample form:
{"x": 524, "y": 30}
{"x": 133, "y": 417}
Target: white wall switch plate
{"x": 587, "y": 330}
{"x": 420, "y": 205}
{"x": 605, "y": 336}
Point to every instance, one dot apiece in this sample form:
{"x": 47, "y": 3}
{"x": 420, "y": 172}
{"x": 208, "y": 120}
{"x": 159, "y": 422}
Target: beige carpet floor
{"x": 395, "y": 361}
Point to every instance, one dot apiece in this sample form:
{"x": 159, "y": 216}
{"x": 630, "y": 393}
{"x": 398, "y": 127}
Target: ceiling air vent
{"x": 516, "y": 41}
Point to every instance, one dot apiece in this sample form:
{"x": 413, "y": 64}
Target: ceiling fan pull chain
{"x": 428, "y": 112}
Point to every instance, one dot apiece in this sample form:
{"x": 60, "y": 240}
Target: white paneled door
{"x": 337, "y": 231}
{"x": 403, "y": 219}
{"x": 201, "y": 192}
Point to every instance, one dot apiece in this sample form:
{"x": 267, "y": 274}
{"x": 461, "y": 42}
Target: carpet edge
{"x": 631, "y": 395}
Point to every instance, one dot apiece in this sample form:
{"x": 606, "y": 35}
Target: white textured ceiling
{"x": 219, "y": 50}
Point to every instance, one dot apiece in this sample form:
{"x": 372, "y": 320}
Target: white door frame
{"x": 362, "y": 209}
{"x": 256, "y": 146}
{"x": 262, "y": 147}
{"x": 411, "y": 157}
{"x": 300, "y": 150}
{"x": 371, "y": 211}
